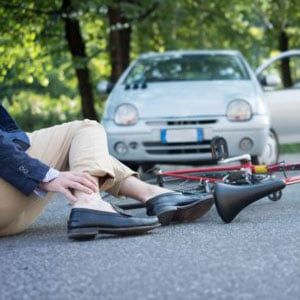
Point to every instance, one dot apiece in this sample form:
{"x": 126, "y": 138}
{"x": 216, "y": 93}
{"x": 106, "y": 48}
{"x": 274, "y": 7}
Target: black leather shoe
{"x": 178, "y": 207}
{"x": 87, "y": 223}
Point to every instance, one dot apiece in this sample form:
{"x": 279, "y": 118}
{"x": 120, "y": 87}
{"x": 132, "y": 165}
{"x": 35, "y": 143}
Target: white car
{"x": 166, "y": 108}
{"x": 283, "y": 98}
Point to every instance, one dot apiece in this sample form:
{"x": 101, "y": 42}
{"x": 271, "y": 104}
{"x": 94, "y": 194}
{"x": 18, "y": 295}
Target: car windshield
{"x": 187, "y": 67}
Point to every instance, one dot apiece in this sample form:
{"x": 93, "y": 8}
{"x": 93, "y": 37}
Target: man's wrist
{"x": 50, "y": 175}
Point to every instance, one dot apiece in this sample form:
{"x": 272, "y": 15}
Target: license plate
{"x": 181, "y": 135}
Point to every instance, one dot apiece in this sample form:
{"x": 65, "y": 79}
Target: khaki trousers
{"x": 76, "y": 146}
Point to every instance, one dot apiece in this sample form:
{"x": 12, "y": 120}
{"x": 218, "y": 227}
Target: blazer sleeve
{"x": 18, "y": 168}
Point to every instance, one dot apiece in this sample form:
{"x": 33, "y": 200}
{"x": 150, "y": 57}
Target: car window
{"x": 286, "y": 71}
{"x": 187, "y": 67}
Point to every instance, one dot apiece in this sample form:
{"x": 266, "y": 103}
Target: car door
{"x": 283, "y": 94}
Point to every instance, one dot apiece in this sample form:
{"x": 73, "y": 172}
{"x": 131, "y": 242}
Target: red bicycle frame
{"x": 246, "y": 166}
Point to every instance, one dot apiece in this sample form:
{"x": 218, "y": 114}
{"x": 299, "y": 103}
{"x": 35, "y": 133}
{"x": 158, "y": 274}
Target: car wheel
{"x": 270, "y": 154}
{"x": 147, "y": 167}
{"x": 132, "y": 166}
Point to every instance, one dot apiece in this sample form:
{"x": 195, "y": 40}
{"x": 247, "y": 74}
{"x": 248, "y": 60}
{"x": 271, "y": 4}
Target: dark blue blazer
{"x": 16, "y": 166}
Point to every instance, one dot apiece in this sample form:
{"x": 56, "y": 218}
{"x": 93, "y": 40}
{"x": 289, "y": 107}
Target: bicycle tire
{"x": 206, "y": 181}
{"x": 190, "y": 186}
{"x": 183, "y": 185}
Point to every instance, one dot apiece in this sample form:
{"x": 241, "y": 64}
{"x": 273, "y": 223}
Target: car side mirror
{"x": 271, "y": 80}
{"x": 104, "y": 87}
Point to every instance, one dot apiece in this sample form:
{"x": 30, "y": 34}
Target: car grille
{"x": 157, "y": 148}
{"x": 181, "y": 122}
{"x": 191, "y": 122}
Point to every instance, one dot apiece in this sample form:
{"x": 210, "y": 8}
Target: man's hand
{"x": 68, "y": 181}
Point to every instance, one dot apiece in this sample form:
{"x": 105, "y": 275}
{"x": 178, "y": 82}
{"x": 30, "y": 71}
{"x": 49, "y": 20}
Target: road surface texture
{"x": 257, "y": 256}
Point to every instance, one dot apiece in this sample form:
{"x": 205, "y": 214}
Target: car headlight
{"x": 126, "y": 114}
{"x": 239, "y": 110}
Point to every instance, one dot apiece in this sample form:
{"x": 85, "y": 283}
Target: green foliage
{"x": 290, "y": 148}
{"x": 35, "y": 62}
{"x": 33, "y": 111}
{"x": 251, "y": 26}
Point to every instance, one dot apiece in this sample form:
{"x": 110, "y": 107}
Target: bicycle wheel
{"x": 185, "y": 184}
{"x": 194, "y": 182}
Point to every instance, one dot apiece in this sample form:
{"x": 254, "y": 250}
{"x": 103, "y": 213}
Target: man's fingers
{"x": 94, "y": 181}
{"x": 69, "y": 195}
{"x": 88, "y": 181}
{"x": 91, "y": 178}
{"x": 66, "y": 181}
{"x": 80, "y": 187}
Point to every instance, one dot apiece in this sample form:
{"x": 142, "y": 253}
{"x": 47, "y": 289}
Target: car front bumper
{"x": 142, "y": 143}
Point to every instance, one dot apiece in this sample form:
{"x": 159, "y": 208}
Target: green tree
{"x": 256, "y": 28}
{"x": 35, "y": 35}
{"x": 122, "y": 16}
{"x": 280, "y": 20}
{"x": 56, "y": 47}
{"x": 72, "y": 32}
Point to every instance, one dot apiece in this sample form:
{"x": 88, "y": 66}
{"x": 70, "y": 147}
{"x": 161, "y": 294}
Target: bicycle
{"x": 233, "y": 185}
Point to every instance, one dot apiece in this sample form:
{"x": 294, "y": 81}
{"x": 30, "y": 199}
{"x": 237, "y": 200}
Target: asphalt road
{"x": 255, "y": 257}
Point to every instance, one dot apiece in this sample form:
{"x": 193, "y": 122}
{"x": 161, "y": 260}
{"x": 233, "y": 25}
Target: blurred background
{"x": 53, "y": 53}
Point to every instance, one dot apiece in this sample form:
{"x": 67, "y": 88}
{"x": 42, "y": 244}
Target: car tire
{"x": 132, "y": 166}
{"x": 143, "y": 168}
{"x": 146, "y": 168}
{"x": 270, "y": 154}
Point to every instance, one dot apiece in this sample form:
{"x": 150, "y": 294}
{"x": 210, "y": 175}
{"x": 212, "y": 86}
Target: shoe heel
{"x": 166, "y": 217}
{"x": 193, "y": 212}
{"x": 82, "y": 233}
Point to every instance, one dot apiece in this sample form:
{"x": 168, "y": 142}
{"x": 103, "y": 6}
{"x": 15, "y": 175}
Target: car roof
{"x": 191, "y": 52}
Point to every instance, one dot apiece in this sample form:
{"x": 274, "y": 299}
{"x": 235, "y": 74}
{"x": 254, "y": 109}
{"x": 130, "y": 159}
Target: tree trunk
{"x": 77, "y": 48}
{"x": 285, "y": 63}
{"x": 119, "y": 41}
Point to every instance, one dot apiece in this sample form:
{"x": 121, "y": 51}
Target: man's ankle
{"x": 95, "y": 206}
{"x": 93, "y": 201}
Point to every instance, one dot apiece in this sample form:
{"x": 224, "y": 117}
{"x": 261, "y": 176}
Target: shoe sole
{"x": 88, "y": 233}
{"x": 166, "y": 217}
{"x": 194, "y": 211}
